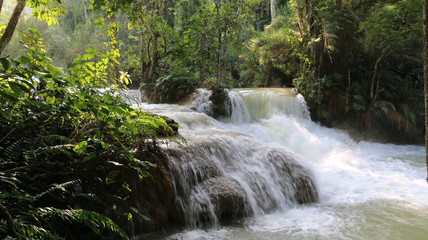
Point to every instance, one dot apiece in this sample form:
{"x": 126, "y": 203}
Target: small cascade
{"x": 256, "y": 104}
{"x": 303, "y": 106}
{"x": 239, "y": 111}
{"x": 200, "y": 101}
{"x": 132, "y": 97}
{"x": 222, "y": 174}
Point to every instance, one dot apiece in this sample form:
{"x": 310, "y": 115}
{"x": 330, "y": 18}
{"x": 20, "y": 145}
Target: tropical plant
{"x": 67, "y": 142}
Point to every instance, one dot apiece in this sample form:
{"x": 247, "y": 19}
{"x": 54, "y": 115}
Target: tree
{"x": 272, "y": 9}
{"x": 11, "y": 26}
{"x": 426, "y": 77}
{"x": 45, "y": 10}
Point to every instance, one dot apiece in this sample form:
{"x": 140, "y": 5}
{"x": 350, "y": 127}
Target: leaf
{"x": 8, "y": 96}
{"x": 139, "y": 214}
{"x": 19, "y": 87}
{"x": 359, "y": 98}
{"x": 95, "y": 221}
{"x": 50, "y": 100}
{"x": 10, "y": 180}
{"x": 81, "y": 147}
{"x": 24, "y": 60}
{"x": 81, "y": 104}
{"x": 131, "y": 127}
{"x": 15, "y": 88}
{"x": 34, "y": 232}
{"x": 5, "y": 63}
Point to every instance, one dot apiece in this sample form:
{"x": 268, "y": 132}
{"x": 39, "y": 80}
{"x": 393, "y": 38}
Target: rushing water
{"x": 366, "y": 190}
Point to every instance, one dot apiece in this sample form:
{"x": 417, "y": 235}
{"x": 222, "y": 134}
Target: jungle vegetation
{"x": 357, "y": 62}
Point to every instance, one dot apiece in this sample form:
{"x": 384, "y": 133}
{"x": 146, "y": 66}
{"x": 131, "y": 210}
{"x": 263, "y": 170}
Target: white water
{"x": 367, "y": 190}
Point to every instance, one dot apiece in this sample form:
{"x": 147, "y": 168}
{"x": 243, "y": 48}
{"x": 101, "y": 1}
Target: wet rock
{"x": 298, "y": 182}
{"x": 228, "y": 198}
{"x": 155, "y": 196}
{"x": 221, "y": 102}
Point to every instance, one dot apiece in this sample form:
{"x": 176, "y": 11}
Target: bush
{"x": 66, "y": 148}
{"x": 173, "y": 88}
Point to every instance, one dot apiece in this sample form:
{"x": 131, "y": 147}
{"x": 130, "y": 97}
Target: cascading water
{"x": 366, "y": 190}
{"x": 221, "y": 174}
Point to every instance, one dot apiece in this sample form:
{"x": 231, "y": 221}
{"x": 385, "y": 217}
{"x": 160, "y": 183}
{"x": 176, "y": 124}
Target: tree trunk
{"x": 143, "y": 64}
{"x": 11, "y": 26}
{"x": 272, "y": 10}
{"x": 426, "y": 78}
{"x": 85, "y": 10}
{"x": 219, "y": 47}
{"x": 154, "y": 58}
{"x": 1, "y": 5}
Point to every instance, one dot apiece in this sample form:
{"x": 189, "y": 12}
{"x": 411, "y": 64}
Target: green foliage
{"x": 279, "y": 47}
{"x": 47, "y": 10}
{"x": 212, "y": 36}
{"x": 174, "y": 87}
{"x": 65, "y": 139}
{"x": 393, "y": 25}
{"x": 365, "y": 52}
{"x": 95, "y": 221}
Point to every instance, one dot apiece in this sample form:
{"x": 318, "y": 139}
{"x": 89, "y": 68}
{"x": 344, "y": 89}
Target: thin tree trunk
{"x": 143, "y": 59}
{"x": 220, "y": 43}
{"x": 272, "y": 10}
{"x": 85, "y": 10}
{"x": 154, "y": 58}
{"x": 11, "y": 26}
{"x": 1, "y": 5}
{"x": 426, "y": 78}
{"x": 373, "y": 94}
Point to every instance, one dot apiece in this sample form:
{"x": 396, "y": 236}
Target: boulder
{"x": 227, "y": 196}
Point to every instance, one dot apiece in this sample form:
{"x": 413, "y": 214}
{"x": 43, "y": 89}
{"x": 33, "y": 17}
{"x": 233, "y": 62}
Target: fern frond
{"x": 51, "y": 150}
{"x": 62, "y": 186}
{"x": 33, "y": 232}
{"x": 52, "y": 139}
{"x": 48, "y": 145}
{"x": 35, "y": 146}
{"x": 13, "y": 151}
{"x": 9, "y": 179}
{"x": 95, "y": 221}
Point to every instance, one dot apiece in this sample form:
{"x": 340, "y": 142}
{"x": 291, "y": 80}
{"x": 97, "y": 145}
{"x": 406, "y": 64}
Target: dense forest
{"x": 357, "y": 62}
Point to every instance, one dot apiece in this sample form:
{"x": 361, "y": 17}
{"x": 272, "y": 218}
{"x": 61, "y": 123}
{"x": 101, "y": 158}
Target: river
{"x": 366, "y": 190}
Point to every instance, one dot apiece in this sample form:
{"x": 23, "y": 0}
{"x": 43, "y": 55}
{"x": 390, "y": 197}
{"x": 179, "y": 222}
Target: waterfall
{"x": 132, "y": 97}
{"x": 200, "y": 101}
{"x": 256, "y": 104}
{"x": 221, "y": 174}
{"x": 224, "y": 174}
{"x": 268, "y": 156}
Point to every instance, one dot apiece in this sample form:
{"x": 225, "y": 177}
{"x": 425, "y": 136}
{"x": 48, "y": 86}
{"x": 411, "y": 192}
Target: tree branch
{"x": 4, "y": 213}
{"x": 11, "y": 26}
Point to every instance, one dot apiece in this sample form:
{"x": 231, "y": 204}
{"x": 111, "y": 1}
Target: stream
{"x": 365, "y": 190}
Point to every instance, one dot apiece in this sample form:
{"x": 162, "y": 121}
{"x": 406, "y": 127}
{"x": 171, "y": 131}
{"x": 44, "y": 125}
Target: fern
{"x": 62, "y": 186}
{"x": 33, "y": 232}
{"x": 12, "y": 152}
{"x": 95, "y": 221}
{"x": 8, "y": 179}
{"x": 50, "y": 151}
